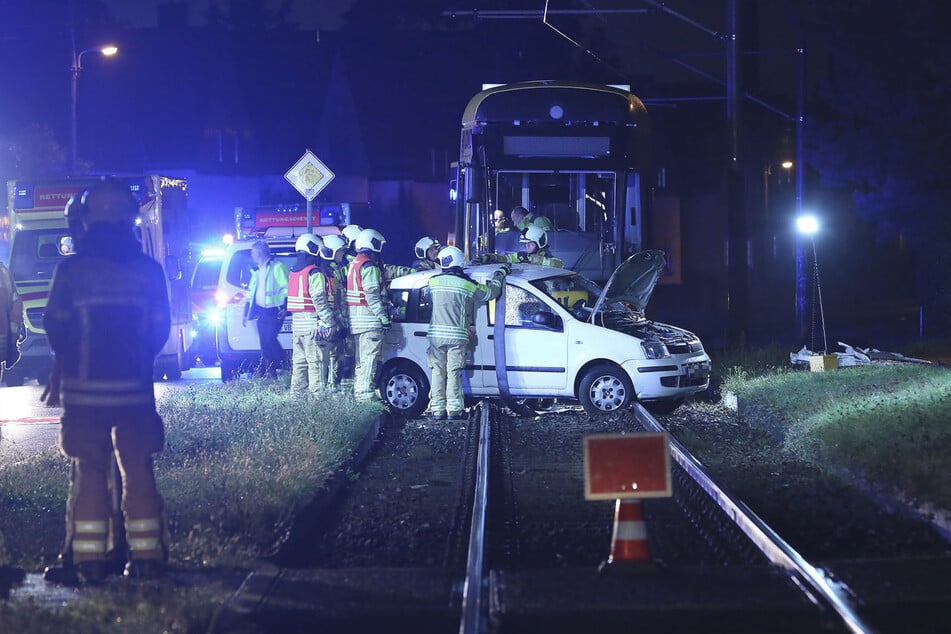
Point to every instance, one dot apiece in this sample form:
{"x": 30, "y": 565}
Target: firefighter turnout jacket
{"x": 365, "y": 295}
{"x": 455, "y": 297}
{"x": 541, "y": 257}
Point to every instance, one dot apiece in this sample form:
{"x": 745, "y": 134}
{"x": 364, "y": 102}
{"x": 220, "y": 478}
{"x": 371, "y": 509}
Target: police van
{"x": 564, "y": 338}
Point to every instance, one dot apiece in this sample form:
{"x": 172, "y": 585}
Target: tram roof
{"x": 535, "y": 102}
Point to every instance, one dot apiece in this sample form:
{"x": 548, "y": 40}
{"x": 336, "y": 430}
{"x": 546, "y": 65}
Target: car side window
{"x": 521, "y": 306}
{"x": 409, "y": 305}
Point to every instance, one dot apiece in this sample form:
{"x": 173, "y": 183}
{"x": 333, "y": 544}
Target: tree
{"x": 36, "y": 153}
{"x": 884, "y": 133}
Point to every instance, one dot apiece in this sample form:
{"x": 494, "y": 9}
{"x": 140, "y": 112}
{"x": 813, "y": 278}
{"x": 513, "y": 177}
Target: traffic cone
{"x": 629, "y": 539}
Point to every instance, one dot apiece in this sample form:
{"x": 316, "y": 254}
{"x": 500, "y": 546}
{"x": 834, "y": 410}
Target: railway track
{"x": 481, "y": 526}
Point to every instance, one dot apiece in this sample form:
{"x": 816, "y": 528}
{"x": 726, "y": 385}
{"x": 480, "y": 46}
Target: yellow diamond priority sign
{"x": 309, "y": 175}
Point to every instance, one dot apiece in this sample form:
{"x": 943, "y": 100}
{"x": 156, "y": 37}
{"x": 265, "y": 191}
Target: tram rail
{"x": 497, "y": 574}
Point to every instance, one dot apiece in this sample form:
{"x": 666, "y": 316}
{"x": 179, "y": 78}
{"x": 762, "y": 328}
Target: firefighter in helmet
{"x": 304, "y": 285}
{"x": 455, "y": 297}
{"x": 107, "y": 317}
{"x": 426, "y": 250}
{"x": 537, "y": 251}
{"x": 366, "y": 306}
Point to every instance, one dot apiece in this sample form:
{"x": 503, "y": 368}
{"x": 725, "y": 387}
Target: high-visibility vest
{"x": 298, "y": 290}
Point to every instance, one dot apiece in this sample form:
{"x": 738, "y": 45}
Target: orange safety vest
{"x": 298, "y": 291}
{"x": 355, "y": 294}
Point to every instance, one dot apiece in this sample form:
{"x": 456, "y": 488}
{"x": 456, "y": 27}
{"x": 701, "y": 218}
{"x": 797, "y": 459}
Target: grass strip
{"x": 240, "y": 460}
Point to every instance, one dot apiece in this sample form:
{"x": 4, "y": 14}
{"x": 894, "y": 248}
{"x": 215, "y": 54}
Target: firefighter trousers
{"x": 92, "y": 439}
{"x": 446, "y": 363}
{"x": 368, "y": 347}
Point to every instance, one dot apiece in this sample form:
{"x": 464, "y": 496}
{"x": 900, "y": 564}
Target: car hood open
{"x": 633, "y": 282}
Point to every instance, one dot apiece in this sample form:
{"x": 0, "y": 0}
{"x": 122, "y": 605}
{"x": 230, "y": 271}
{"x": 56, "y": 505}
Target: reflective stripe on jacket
{"x": 299, "y": 293}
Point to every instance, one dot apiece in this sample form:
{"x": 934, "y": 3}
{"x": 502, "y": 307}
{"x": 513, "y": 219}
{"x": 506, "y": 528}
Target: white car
{"x": 564, "y": 337}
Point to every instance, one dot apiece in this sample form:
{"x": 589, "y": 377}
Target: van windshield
{"x": 35, "y": 254}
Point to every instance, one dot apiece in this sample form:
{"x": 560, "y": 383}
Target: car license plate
{"x": 286, "y": 326}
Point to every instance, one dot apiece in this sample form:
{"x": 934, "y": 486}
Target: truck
{"x": 39, "y": 238}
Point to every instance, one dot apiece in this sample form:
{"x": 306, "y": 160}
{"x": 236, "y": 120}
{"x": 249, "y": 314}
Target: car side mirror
{"x": 547, "y": 319}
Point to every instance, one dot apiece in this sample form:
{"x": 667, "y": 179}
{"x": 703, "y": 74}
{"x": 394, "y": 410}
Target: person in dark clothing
{"x": 107, "y": 318}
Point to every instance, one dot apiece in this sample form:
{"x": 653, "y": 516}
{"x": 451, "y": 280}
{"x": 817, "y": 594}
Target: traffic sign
{"x": 620, "y": 466}
{"x": 309, "y": 175}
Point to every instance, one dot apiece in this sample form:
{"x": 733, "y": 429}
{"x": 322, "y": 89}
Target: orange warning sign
{"x": 620, "y": 466}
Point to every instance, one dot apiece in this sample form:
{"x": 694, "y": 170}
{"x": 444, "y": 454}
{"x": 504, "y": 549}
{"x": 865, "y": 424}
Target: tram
{"x": 574, "y": 153}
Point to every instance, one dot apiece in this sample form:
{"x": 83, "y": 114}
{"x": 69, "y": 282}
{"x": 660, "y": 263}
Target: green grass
{"x": 240, "y": 460}
{"x": 887, "y": 424}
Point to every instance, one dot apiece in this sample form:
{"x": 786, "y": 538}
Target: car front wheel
{"x": 605, "y": 388}
{"x": 405, "y": 389}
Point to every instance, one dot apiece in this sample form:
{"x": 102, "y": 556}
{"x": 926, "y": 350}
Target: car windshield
{"x": 578, "y": 295}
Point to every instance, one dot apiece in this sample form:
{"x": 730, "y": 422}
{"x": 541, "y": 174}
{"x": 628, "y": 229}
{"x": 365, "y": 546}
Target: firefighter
{"x": 455, "y": 297}
{"x": 332, "y": 336}
{"x": 107, "y": 317}
{"x": 336, "y": 253}
{"x": 304, "y": 284}
{"x": 426, "y": 250}
{"x": 537, "y": 251}
{"x": 11, "y": 320}
{"x": 523, "y": 219}
{"x": 369, "y": 321}
{"x": 267, "y": 303}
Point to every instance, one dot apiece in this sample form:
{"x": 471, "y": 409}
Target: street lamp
{"x": 76, "y": 67}
{"x": 783, "y": 177}
{"x": 808, "y": 225}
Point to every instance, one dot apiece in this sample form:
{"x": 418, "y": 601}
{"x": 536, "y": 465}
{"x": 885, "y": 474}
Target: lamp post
{"x": 808, "y": 225}
{"x": 74, "y": 70}
{"x": 783, "y": 177}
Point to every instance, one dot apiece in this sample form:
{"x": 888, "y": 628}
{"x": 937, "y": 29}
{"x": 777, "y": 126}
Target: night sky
{"x": 376, "y": 87}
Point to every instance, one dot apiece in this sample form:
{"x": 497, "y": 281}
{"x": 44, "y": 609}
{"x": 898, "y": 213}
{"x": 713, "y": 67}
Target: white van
{"x": 239, "y": 348}
{"x": 564, "y": 337}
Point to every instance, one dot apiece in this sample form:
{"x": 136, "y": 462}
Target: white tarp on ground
{"x": 855, "y": 356}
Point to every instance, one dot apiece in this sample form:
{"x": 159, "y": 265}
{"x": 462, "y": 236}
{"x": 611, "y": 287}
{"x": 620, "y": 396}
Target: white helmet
{"x": 422, "y": 246}
{"x": 451, "y": 256}
{"x": 537, "y": 235}
{"x": 331, "y": 245}
{"x": 309, "y": 243}
{"x": 351, "y": 232}
{"x": 369, "y": 239}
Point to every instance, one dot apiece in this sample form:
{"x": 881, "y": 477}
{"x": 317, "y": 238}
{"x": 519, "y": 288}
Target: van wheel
{"x": 605, "y": 388}
{"x": 405, "y": 389}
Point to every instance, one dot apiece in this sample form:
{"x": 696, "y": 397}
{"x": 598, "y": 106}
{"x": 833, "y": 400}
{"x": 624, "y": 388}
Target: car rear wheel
{"x": 405, "y": 389}
{"x": 605, "y": 388}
